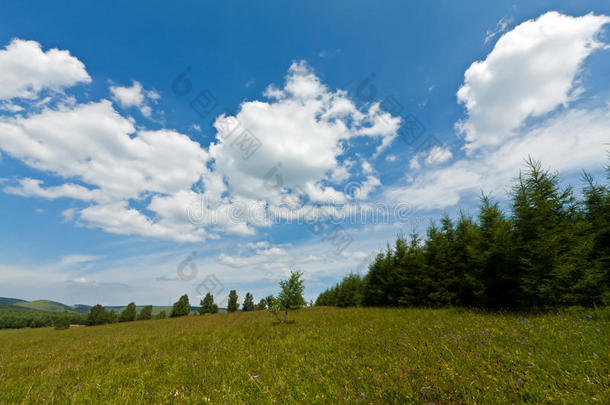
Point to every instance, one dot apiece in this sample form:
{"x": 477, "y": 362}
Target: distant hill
{"x": 41, "y": 305}
{"x": 9, "y": 301}
{"x": 81, "y": 308}
{"x": 53, "y": 306}
{"x": 45, "y": 305}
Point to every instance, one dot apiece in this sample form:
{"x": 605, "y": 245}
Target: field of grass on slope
{"x": 44, "y": 305}
{"x": 327, "y": 356}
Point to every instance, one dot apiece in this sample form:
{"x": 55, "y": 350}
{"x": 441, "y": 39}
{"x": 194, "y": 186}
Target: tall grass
{"x": 327, "y": 355}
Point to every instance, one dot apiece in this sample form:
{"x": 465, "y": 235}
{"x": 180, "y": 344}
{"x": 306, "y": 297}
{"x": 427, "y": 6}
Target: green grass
{"x": 4, "y": 301}
{"x": 326, "y": 356}
{"x": 40, "y": 305}
{"x": 44, "y": 305}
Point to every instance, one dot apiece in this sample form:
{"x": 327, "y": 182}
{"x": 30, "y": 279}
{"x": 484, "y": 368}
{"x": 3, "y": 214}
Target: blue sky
{"x": 110, "y": 179}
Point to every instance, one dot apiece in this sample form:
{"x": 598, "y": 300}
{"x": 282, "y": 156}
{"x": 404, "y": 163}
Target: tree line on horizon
{"x": 289, "y": 298}
{"x": 16, "y": 319}
{"x": 99, "y": 315}
{"x": 551, "y": 249}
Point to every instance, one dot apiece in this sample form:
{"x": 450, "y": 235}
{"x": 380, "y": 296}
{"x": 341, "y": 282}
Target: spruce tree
{"x": 181, "y": 307}
{"x": 541, "y": 214}
{"x": 207, "y": 304}
{"x": 499, "y": 266}
{"x": 145, "y": 313}
{"x": 129, "y": 313}
{"x": 248, "y": 304}
{"x": 232, "y": 305}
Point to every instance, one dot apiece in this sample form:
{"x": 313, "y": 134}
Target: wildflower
{"x": 362, "y": 394}
{"x": 520, "y": 380}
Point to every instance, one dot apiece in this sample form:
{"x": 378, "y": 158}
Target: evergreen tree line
{"x": 551, "y": 249}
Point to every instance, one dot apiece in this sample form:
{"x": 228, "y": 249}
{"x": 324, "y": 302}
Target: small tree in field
{"x": 207, "y": 305}
{"x": 129, "y": 313}
{"x": 145, "y": 313}
{"x": 181, "y": 307}
{"x": 232, "y": 305}
{"x": 161, "y": 315}
{"x": 291, "y": 295}
{"x": 248, "y": 304}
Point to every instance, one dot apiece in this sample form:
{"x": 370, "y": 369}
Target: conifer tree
{"x": 145, "y": 313}
{"x": 181, "y": 307}
{"x": 248, "y": 304}
{"x": 232, "y": 305}
{"x": 207, "y": 304}
{"x": 129, "y": 313}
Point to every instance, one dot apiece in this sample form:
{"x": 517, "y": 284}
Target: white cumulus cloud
{"x": 135, "y": 96}
{"x": 303, "y": 129}
{"x": 531, "y": 70}
{"x": 26, "y": 70}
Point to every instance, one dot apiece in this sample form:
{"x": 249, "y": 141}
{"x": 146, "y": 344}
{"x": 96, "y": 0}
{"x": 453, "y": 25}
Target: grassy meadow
{"x": 327, "y": 355}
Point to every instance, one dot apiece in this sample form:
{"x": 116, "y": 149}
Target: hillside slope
{"x": 41, "y": 305}
{"x": 326, "y": 356}
{"x": 4, "y": 301}
{"x": 44, "y": 305}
